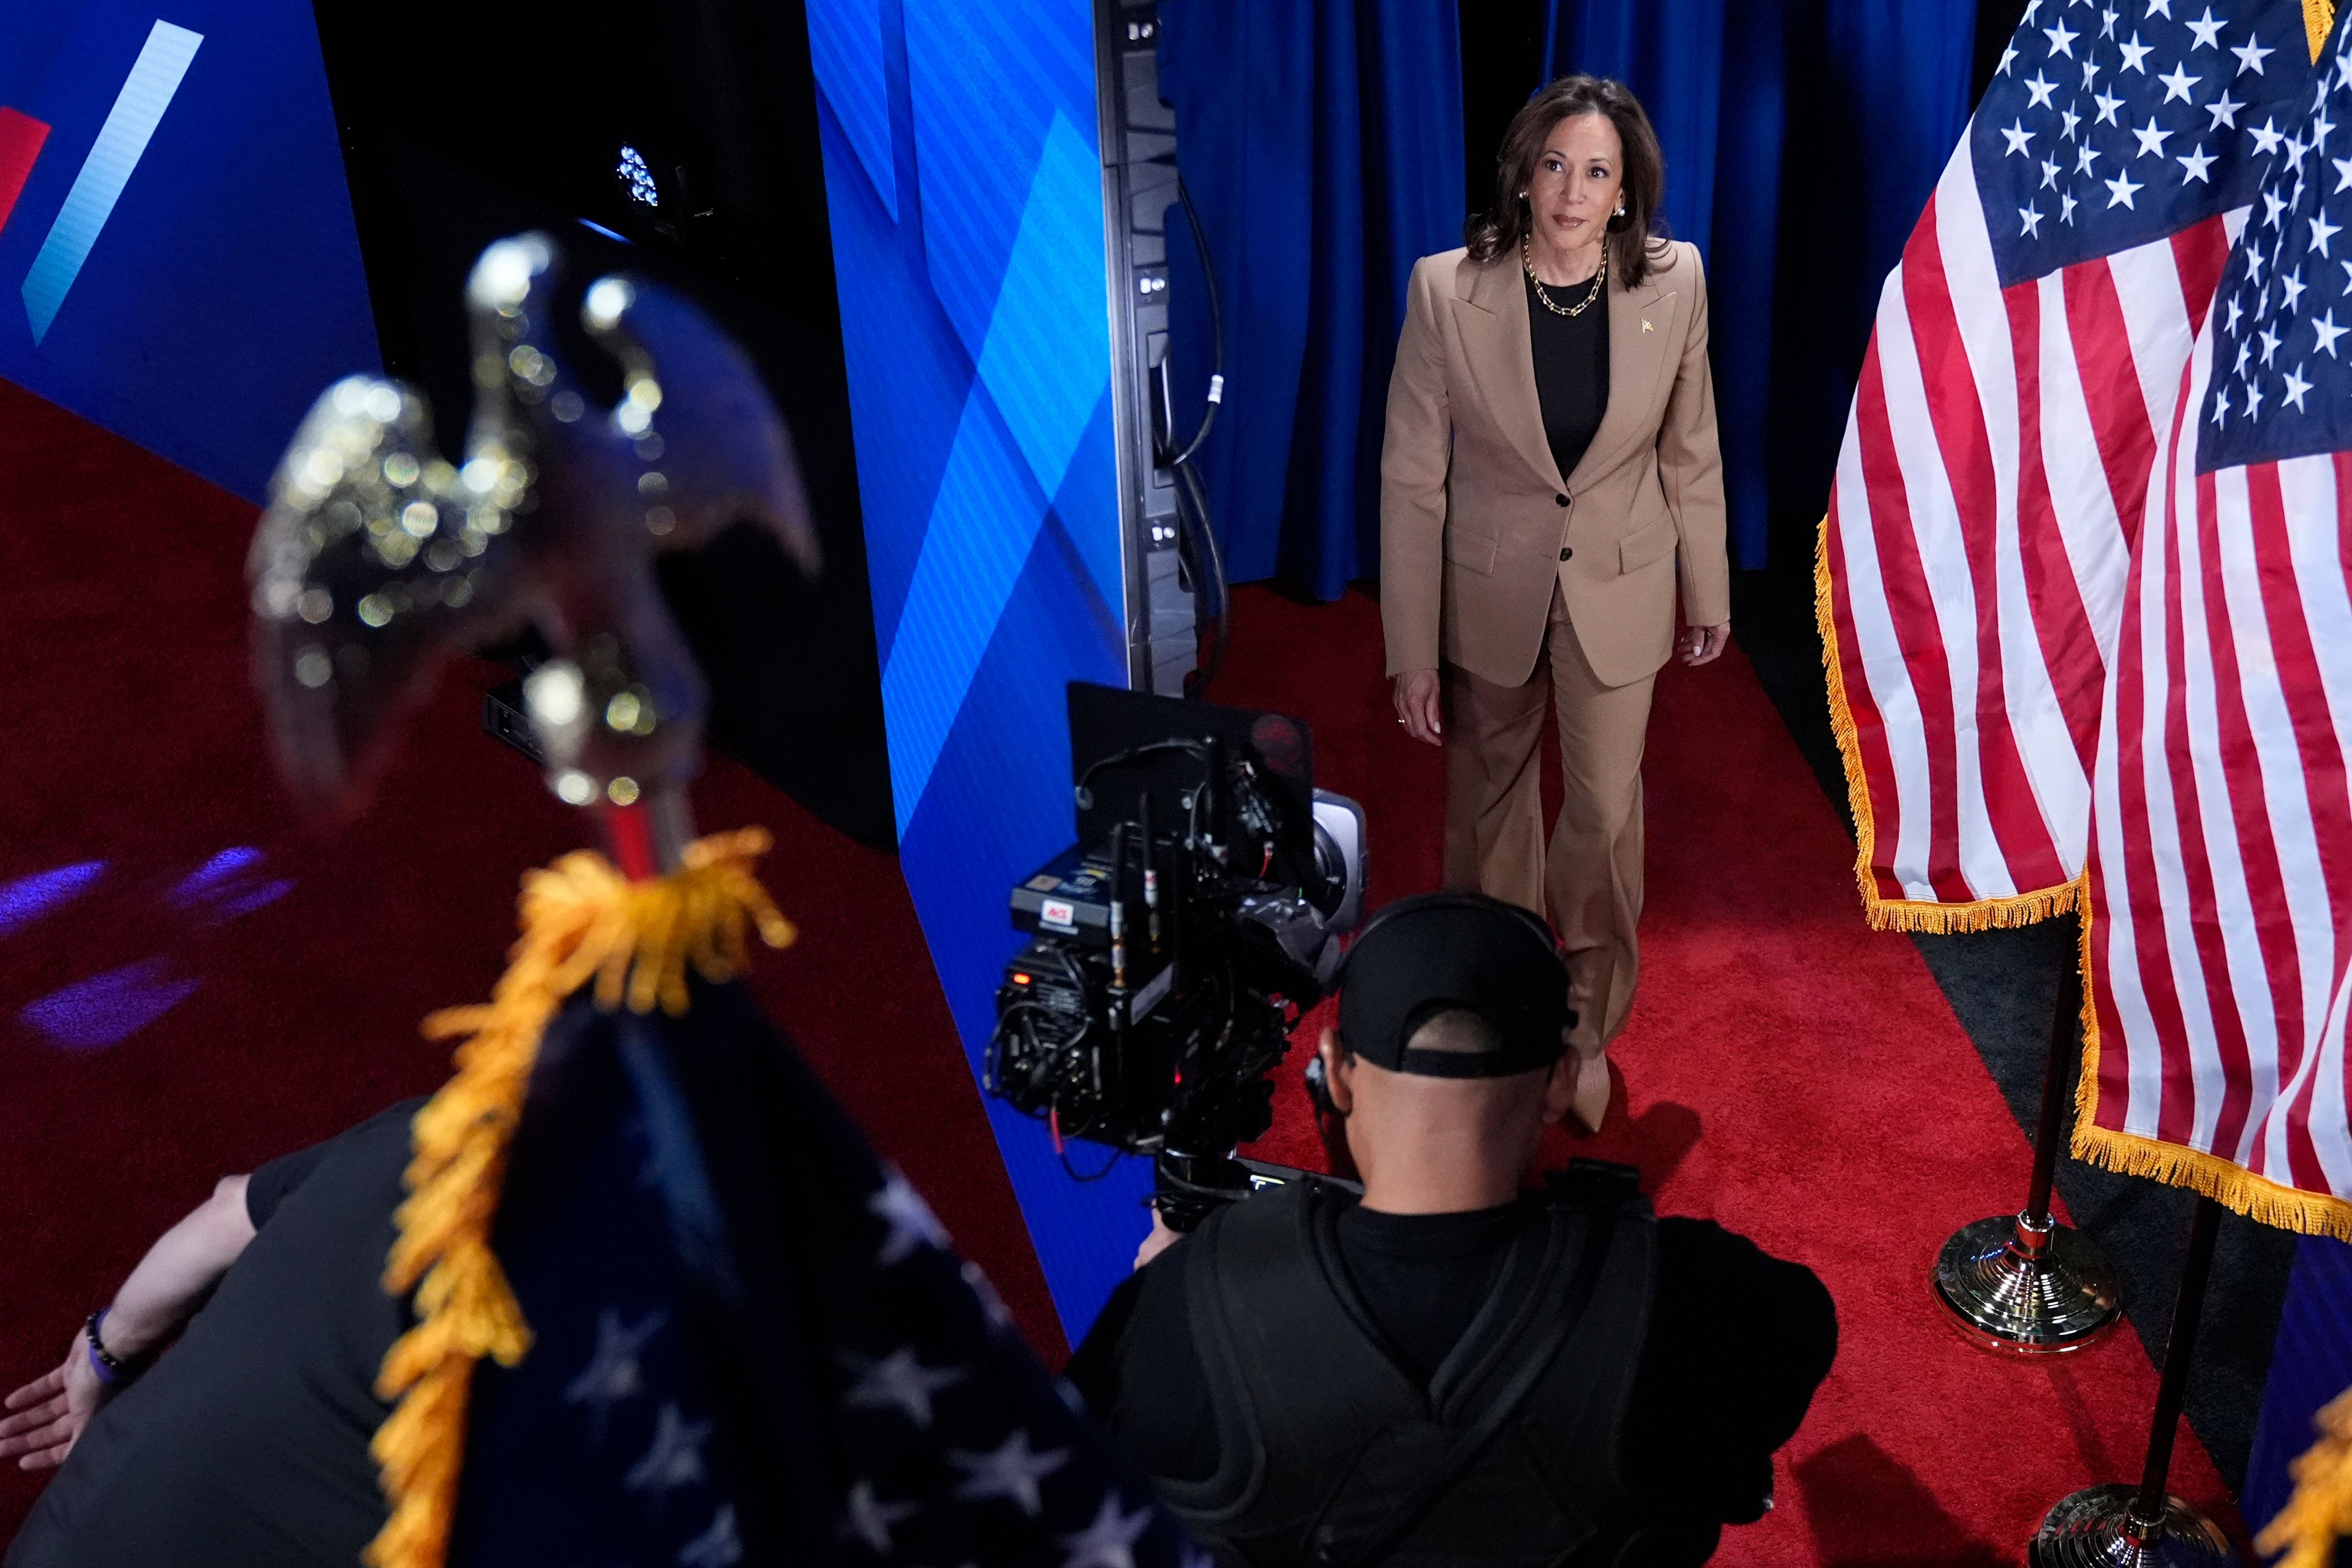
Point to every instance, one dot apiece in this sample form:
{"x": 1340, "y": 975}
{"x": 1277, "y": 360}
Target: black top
{"x": 246, "y": 1446}
{"x": 1738, "y": 1343}
{"x": 1572, "y": 355}
{"x": 1422, "y": 1276}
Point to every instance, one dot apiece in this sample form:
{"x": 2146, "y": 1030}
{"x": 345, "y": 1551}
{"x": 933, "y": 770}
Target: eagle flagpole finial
{"x": 378, "y": 558}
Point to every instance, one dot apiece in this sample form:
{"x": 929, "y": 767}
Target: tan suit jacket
{"x": 1474, "y": 514}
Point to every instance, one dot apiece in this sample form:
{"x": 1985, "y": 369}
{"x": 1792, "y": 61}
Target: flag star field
{"x": 2282, "y": 386}
{"x": 2107, "y": 126}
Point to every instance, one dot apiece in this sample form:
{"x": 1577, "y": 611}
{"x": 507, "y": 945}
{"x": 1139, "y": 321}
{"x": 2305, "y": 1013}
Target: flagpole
{"x": 2024, "y": 1284}
{"x": 2116, "y": 1526}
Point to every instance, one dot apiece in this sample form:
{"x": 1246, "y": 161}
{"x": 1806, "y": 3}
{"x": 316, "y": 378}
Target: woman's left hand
{"x": 1700, "y": 645}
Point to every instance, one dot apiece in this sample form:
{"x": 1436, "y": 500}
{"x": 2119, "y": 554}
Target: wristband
{"x": 109, "y": 1367}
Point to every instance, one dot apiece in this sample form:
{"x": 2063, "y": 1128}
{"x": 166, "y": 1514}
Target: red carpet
{"x": 1792, "y": 1074}
{"x": 1789, "y": 1071}
{"x": 132, "y": 738}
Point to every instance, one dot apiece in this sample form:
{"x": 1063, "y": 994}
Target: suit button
{"x": 1565, "y": 552}
{"x": 1560, "y": 500}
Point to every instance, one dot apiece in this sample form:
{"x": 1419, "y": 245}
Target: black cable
{"x": 1077, "y": 1175}
{"x": 1216, "y": 330}
{"x": 1199, "y": 526}
{"x": 1133, "y": 754}
{"x": 1188, "y": 488}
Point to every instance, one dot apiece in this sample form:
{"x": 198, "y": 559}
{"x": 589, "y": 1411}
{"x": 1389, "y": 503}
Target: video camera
{"x": 1177, "y": 943}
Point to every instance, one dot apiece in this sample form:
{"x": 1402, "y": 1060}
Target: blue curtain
{"x": 1322, "y": 140}
{"x": 1802, "y": 137}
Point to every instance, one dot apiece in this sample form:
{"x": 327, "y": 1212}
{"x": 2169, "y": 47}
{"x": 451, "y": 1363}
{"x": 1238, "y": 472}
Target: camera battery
{"x": 1070, "y": 898}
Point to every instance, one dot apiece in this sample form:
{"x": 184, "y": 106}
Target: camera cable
{"x": 1196, "y": 528}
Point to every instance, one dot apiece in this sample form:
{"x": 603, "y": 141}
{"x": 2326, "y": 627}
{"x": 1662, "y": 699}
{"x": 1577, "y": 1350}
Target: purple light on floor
{"x": 27, "y": 899}
{"x": 228, "y": 884}
{"x": 216, "y": 870}
{"x": 244, "y": 904}
{"x": 106, "y": 1009}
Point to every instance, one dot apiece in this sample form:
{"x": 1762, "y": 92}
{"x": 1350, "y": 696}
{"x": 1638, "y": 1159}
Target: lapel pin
{"x": 1646, "y": 327}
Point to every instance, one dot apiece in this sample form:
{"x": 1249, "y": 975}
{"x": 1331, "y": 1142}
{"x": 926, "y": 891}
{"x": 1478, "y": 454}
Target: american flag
{"x": 2220, "y": 875}
{"x": 2026, "y": 357}
{"x": 752, "y": 1343}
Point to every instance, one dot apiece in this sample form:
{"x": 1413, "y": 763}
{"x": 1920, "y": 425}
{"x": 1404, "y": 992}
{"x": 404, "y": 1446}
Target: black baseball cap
{"x": 1440, "y": 953}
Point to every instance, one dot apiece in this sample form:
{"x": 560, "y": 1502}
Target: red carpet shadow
{"x": 1904, "y": 1527}
{"x": 1656, "y": 1138}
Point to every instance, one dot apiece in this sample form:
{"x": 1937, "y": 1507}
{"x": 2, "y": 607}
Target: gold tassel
{"x": 2321, "y": 1510}
{"x": 2226, "y": 1181}
{"x": 2319, "y": 20}
{"x": 1903, "y": 914}
{"x": 582, "y": 920}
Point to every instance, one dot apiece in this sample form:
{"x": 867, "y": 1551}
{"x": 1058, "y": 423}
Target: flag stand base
{"x": 2018, "y": 1289}
{"x": 2144, "y": 1526}
{"x": 2027, "y": 1285}
{"x": 2103, "y": 1526}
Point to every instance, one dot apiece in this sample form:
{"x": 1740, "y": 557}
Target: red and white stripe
{"x": 1992, "y": 479}
{"x": 2221, "y": 871}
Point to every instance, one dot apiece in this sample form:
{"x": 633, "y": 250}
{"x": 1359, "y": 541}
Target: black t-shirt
{"x": 1738, "y": 1343}
{"x": 246, "y": 1446}
{"x": 1571, "y": 360}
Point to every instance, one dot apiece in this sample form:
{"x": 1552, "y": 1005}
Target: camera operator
{"x": 1450, "y": 1370}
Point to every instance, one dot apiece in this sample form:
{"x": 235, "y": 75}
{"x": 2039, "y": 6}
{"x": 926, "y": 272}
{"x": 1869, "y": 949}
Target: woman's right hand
{"x": 1417, "y": 706}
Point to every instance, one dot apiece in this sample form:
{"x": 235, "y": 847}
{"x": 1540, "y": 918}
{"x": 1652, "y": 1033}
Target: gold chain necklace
{"x": 1599, "y": 281}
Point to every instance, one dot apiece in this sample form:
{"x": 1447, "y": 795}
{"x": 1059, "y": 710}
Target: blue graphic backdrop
{"x": 181, "y": 266}
{"x": 963, "y": 176}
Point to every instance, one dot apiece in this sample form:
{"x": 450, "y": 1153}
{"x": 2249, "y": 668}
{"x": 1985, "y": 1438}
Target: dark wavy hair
{"x": 1635, "y": 241}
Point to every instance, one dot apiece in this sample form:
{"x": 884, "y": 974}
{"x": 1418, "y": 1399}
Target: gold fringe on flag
{"x": 2319, "y": 21}
{"x": 2224, "y": 1181}
{"x": 2321, "y": 1510}
{"x": 582, "y": 920}
{"x": 1904, "y": 914}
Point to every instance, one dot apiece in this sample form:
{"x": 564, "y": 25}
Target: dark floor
{"x": 2003, "y": 985}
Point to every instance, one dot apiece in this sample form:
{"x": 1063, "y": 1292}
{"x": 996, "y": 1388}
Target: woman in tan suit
{"x": 1550, "y": 476}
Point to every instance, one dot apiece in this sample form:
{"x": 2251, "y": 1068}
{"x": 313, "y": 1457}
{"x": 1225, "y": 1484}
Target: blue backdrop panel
{"x": 181, "y": 266}
{"x": 963, "y": 178}
{"x": 1322, "y": 143}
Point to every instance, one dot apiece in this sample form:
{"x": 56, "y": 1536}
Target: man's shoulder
{"x": 1705, "y": 1270}
{"x": 377, "y": 1145}
{"x": 1238, "y": 1239}
{"x": 1706, "y": 1242}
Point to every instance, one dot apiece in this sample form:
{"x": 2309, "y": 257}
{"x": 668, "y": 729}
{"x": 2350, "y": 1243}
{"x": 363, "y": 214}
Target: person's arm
{"x": 1415, "y": 453}
{"x": 48, "y": 1414}
{"x": 1690, "y": 470}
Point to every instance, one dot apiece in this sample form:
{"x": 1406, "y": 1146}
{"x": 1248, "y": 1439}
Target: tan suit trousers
{"x": 1589, "y": 884}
